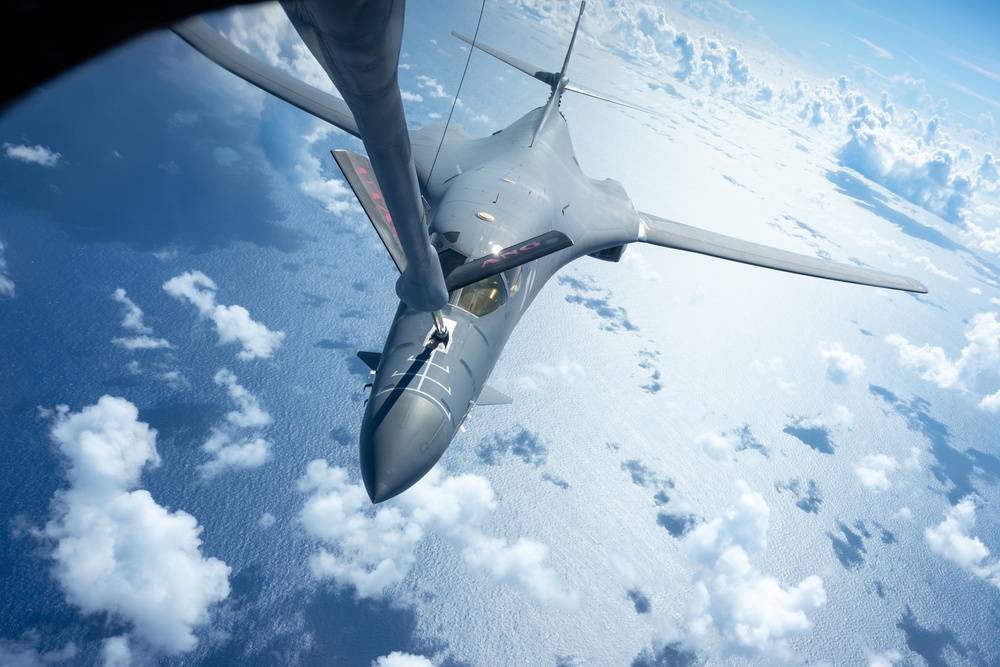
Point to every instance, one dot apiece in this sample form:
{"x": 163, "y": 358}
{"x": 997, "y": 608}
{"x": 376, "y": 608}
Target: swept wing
{"x": 669, "y": 234}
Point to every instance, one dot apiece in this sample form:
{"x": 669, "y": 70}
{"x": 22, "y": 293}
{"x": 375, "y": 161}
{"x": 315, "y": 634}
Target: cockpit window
{"x": 484, "y": 297}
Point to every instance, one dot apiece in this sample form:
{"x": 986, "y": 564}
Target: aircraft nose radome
{"x": 400, "y": 442}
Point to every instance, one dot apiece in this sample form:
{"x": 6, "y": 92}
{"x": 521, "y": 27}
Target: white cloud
{"x": 873, "y": 471}
{"x": 36, "y": 154}
{"x": 753, "y": 614}
{"x": 25, "y": 653}
{"x": 116, "y": 652}
{"x": 117, "y": 550}
{"x": 142, "y": 343}
{"x": 371, "y": 549}
{"x": 841, "y": 365}
{"x": 981, "y": 353}
{"x": 232, "y": 323}
{"x": 924, "y": 175}
{"x": 132, "y": 318}
{"x": 398, "y": 659}
{"x": 6, "y": 284}
{"x": 951, "y": 540}
{"x": 884, "y": 659}
{"x": 228, "y": 448}
{"x": 716, "y": 446}
{"x": 411, "y": 97}
{"x": 929, "y": 265}
{"x": 775, "y": 369}
{"x": 434, "y": 88}
{"x": 879, "y": 51}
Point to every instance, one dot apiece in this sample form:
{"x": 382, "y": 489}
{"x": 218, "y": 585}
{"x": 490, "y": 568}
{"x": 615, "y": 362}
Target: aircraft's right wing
{"x": 207, "y": 41}
{"x": 669, "y": 234}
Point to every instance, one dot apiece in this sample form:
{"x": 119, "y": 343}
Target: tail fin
{"x": 558, "y": 82}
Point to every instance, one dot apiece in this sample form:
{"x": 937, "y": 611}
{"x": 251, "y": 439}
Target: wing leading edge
{"x": 207, "y": 41}
{"x": 669, "y": 234}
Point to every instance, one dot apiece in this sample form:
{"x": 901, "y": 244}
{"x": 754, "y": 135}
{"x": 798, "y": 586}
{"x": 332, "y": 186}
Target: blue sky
{"x": 954, "y": 47}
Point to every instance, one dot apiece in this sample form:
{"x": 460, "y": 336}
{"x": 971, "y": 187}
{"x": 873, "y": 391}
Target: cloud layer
{"x": 227, "y": 444}
{"x": 952, "y": 540}
{"x": 752, "y": 613}
{"x": 36, "y": 154}
{"x": 373, "y": 550}
{"x": 232, "y": 323}
{"x": 981, "y": 353}
{"x": 117, "y": 550}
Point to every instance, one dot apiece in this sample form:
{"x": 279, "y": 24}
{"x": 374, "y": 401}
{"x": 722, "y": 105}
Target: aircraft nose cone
{"x": 401, "y": 440}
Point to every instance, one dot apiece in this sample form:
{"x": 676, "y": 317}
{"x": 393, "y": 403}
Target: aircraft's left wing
{"x": 227, "y": 55}
{"x": 670, "y": 234}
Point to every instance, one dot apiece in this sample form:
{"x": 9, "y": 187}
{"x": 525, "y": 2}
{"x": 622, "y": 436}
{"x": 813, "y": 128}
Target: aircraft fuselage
{"x": 485, "y": 194}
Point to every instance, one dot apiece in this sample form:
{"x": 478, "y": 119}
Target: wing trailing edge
{"x": 207, "y": 41}
{"x": 669, "y": 234}
{"x": 361, "y": 177}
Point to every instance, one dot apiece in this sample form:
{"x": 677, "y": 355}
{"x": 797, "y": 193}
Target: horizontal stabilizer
{"x": 490, "y": 396}
{"x": 572, "y": 87}
{"x": 669, "y": 234}
{"x": 358, "y": 172}
{"x": 207, "y": 41}
{"x": 549, "y": 78}
{"x": 506, "y": 259}
{"x": 371, "y": 359}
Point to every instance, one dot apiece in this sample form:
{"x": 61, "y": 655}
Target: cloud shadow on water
{"x": 855, "y": 188}
{"x": 598, "y": 301}
{"x": 850, "y": 550}
{"x": 670, "y": 655}
{"x": 951, "y": 467}
{"x": 523, "y": 444}
{"x": 931, "y": 645}
{"x": 677, "y": 525}
{"x": 816, "y": 437}
{"x": 809, "y": 497}
{"x": 640, "y": 600}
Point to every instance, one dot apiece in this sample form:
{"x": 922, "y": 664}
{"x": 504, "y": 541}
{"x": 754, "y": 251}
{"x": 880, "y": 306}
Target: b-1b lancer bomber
{"x": 474, "y": 242}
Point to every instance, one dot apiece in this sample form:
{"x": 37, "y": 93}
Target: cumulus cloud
{"x": 232, "y": 323}
{"x": 884, "y": 659}
{"x": 841, "y": 365}
{"x": 753, "y": 614}
{"x": 227, "y": 444}
{"x": 142, "y": 343}
{"x": 399, "y": 659}
{"x": 36, "y": 154}
{"x": 951, "y": 539}
{"x": 775, "y": 369}
{"x": 981, "y": 353}
{"x": 6, "y": 284}
{"x": 116, "y": 652}
{"x": 924, "y": 175}
{"x": 371, "y": 549}
{"x": 873, "y": 471}
{"x": 717, "y": 446}
{"x": 117, "y": 550}
{"x": 132, "y": 320}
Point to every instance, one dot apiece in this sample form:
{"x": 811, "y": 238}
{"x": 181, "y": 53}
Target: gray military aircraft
{"x": 474, "y": 242}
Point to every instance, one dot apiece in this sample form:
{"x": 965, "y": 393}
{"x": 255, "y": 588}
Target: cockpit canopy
{"x": 487, "y": 295}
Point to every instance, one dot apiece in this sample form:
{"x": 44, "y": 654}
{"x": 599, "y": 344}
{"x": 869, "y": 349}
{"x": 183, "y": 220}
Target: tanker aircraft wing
{"x": 207, "y": 41}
